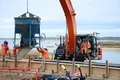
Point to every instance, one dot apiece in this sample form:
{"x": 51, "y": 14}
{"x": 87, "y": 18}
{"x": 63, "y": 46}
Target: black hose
{"x": 68, "y": 74}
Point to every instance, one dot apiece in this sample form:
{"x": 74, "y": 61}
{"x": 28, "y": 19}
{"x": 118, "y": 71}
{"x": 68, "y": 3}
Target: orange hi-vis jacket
{"x": 85, "y": 45}
{"x": 44, "y": 52}
{"x": 15, "y": 50}
{"x": 4, "y": 49}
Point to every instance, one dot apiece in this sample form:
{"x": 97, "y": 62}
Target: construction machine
{"x": 71, "y": 46}
{"x": 27, "y": 26}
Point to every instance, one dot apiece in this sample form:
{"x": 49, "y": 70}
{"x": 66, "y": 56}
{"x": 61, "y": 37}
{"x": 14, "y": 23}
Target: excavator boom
{"x": 71, "y": 26}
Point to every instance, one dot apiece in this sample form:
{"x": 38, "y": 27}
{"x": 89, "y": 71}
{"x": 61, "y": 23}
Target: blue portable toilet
{"x": 27, "y": 25}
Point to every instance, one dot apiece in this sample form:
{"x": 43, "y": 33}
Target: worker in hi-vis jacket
{"x": 84, "y": 46}
{"x": 44, "y": 52}
{"x": 4, "y": 48}
{"x": 15, "y": 50}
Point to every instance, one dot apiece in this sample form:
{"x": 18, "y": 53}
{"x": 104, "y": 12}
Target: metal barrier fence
{"x": 18, "y": 74}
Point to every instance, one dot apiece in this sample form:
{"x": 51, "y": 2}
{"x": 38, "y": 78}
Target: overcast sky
{"x": 101, "y": 16}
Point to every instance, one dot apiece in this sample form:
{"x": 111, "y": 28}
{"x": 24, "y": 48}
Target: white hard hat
{"x": 17, "y": 44}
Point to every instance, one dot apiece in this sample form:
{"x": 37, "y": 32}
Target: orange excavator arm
{"x": 71, "y": 25}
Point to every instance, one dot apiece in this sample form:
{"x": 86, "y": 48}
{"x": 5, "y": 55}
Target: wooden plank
{"x": 49, "y": 66}
{"x": 57, "y": 65}
{"x": 107, "y": 69}
{"x": 89, "y": 69}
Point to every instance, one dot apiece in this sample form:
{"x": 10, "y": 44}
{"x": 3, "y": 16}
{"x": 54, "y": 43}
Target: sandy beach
{"x": 116, "y": 49}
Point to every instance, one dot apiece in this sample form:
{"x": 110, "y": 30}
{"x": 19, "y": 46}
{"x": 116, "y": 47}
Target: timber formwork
{"x": 50, "y": 66}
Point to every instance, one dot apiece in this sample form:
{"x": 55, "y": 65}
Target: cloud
{"x": 53, "y": 32}
{"x": 6, "y": 27}
{"x": 92, "y": 15}
{"x": 49, "y": 18}
{"x": 9, "y": 20}
{"x": 103, "y": 32}
{"x": 98, "y": 25}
